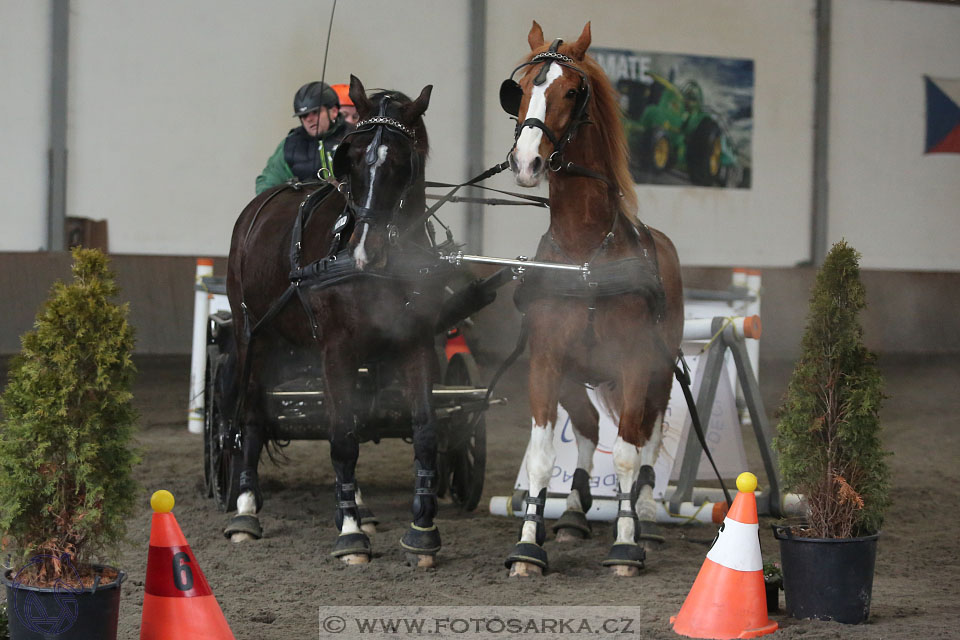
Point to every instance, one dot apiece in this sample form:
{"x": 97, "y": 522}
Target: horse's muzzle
{"x": 528, "y": 171}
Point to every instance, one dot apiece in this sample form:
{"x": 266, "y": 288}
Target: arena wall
{"x": 174, "y": 107}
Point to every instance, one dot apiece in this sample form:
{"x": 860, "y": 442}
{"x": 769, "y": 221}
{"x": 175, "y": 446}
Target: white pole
{"x": 606, "y": 510}
{"x": 753, "y": 308}
{"x": 198, "y": 355}
{"x": 702, "y": 328}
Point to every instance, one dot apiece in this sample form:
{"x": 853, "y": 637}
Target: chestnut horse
{"x": 342, "y": 274}
{"x": 623, "y": 330}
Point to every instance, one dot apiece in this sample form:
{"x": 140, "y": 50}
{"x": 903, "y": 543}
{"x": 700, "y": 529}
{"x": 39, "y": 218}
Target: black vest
{"x": 302, "y": 153}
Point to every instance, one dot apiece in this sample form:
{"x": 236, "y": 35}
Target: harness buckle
{"x": 393, "y": 234}
{"x": 555, "y": 161}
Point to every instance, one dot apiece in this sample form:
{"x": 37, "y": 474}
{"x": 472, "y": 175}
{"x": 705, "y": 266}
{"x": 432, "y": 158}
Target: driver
{"x": 308, "y": 148}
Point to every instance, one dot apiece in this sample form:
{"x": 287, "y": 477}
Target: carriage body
{"x": 295, "y": 406}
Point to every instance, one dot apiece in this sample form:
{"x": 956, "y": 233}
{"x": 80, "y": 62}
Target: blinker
{"x": 510, "y": 96}
{"x": 340, "y": 161}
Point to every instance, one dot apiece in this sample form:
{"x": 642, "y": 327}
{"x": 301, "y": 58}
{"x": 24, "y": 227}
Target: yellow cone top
{"x": 162, "y": 501}
{"x": 746, "y": 482}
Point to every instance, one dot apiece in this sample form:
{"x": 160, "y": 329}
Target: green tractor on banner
{"x": 670, "y": 128}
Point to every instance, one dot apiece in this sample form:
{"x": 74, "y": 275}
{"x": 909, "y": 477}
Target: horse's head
{"x": 550, "y": 102}
{"x": 380, "y": 164}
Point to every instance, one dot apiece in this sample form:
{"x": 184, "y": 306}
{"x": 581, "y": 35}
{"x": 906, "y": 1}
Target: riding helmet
{"x": 343, "y": 93}
{"x": 312, "y": 96}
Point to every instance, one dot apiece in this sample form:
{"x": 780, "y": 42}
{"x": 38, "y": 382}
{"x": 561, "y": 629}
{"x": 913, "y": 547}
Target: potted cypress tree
{"x": 828, "y": 440}
{"x": 66, "y": 485}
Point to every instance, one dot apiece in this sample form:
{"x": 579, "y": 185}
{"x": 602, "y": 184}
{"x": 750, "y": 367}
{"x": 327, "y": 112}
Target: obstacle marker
{"x": 198, "y": 356}
{"x": 177, "y": 601}
{"x": 728, "y": 598}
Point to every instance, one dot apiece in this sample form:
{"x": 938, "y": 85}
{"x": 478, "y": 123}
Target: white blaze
{"x": 360, "y": 253}
{"x": 381, "y": 157}
{"x": 528, "y": 144}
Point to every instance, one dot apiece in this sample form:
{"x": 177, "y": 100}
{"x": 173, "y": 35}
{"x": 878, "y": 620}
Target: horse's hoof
{"x": 243, "y": 528}
{"x": 525, "y": 570}
{"x": 569, "y": 536}
{"x": 625, "y": 558}
{"x": 650, "y": 534}
{"x": 237, "y": 538}
{"x": 624, "y": 570}
{"x": 527, "y": 559}
{"x": 367, "y": 519}
{"x": 421, "y": 560}
{"x": 572, "y": 527}
{"x": 421, "y": 540}
{"x": 352, "y": 548}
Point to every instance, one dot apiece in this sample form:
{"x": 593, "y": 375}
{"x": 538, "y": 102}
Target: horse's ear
{"x": 535, "y": 37}
{"x": 359, "y": 96}
{"x": 418, "y": 106}
{"x": 578, "y": 48}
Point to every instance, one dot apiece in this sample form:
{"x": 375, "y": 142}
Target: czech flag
{"x": 943, "y": 115}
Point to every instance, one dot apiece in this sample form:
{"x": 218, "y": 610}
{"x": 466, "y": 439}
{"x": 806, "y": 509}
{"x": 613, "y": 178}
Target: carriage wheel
{"x": 462, "y": 468}
{"x": 221, "y": 460}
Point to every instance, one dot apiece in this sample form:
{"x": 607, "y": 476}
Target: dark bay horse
{"x": 623, "y": 330}
{"x": 346, "y": 275}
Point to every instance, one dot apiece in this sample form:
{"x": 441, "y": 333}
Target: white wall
{"x": 176, "y": 105}
{"x": 898, "y": 207}
{"x": 24, "y": 118}
{"x": 767, "y": 225}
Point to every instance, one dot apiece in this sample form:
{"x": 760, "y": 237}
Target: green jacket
{"x": 276, "y": 172}
{"x": 278, "y": 169}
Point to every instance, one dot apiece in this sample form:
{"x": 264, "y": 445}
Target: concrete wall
{"x": 907, "y": 312}
{"x": 158, "y": 288}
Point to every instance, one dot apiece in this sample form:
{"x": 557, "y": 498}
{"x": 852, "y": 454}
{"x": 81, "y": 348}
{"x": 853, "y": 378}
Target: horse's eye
{"x": 572, "y": 93}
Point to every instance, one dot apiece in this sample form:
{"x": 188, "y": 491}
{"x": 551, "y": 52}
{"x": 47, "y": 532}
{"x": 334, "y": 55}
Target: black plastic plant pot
{"x": 63, "y": 612}
{"x": 827, "y": 578}
{"x": 773, "y": 596}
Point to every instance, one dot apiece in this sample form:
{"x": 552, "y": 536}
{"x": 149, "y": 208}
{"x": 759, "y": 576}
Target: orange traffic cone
{"x": 728, "y": 599}
{"x": 177, "y": 601}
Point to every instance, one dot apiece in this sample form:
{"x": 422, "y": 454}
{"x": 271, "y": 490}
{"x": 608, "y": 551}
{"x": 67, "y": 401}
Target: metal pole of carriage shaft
{"x": 518, "y": 265}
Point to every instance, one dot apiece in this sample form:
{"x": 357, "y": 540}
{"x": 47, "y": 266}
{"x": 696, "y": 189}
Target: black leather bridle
{"x": 511, "y": 94}
{"x": 379, "y": 124}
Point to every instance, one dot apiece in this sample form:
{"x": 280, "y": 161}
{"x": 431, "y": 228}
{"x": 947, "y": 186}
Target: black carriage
{"x": 295, "y": 404}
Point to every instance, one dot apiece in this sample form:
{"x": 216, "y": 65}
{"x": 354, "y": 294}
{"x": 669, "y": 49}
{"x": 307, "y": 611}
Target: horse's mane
{"x": 400, "y": 100}
{"x": 606, "y": 115}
